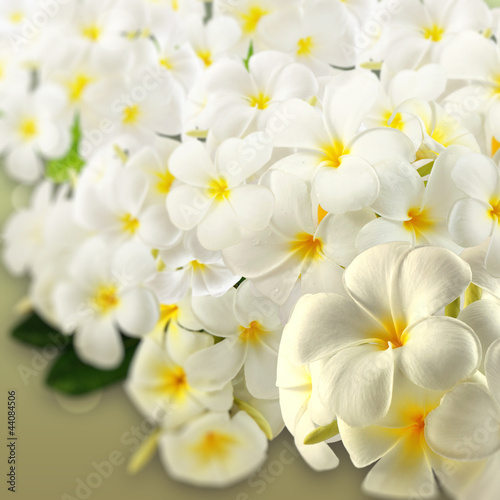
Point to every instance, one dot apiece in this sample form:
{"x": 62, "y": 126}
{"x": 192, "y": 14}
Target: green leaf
{"x": 452, "y": 310}
{"x": 70, "y": 375}
{"x": 34, "y": 331}
{"x": 249, "y": 56}
{"x": 257, "y": 416}
{"x": 322, "y": 434}
{"x": 62, "y": 169}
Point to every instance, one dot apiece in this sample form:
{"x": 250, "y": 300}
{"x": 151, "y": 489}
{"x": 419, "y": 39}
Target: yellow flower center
{"x": 77, "y": 86}
{"x": 252, "y": 17}
{"x": 197, "y": 266}
{"x": 259, "y": 101}
{"x": 321, "y": 214}
{"x": 92, "y": 32}
{"x": 175, "y": 4}
{"x": 165, "y": 181}
{"x": 131, "y": 114}
{"x": 174, "y": 382}
{"x": 392, "y": 334}
{"x": 28, "y": 128}
{"x": 214, "y": 446}
{"x": 434, "y": 33}
{"x": 218, "y": 189}
{"x": 168, "y": 312}
{"x": 206, "y": 57}
{"x": 418, "y": 221}
{"x": 397, "y": 122}
{"x": 252, "y": 333}
{"x": 129, "y": 224}
{"x": 495, "y": 146}
{"x": 307, "y": 247}
{"x": 494, "y": 212}
{"x": 16, "y": 17}
{"x": 305, "y": 46}
{"x": 106, "y": 299}
{"x": 166, "y": 63}
{"x": 332, "y": 153}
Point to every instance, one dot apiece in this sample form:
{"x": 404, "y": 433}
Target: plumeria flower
{"x": 388, "y": 320}
{"x": 311, "y": 34}
{"x": 213, "y": 40}
{"x": 436, "y": 131}
{"x": 411, "y": 210}
{"x": 13, "y": 74}
{"x": 214, "y": 450}
{"x": 302, "y": 243}
{"x": 190, "y": 266}
{"x": 241, "y": 101}
{"x": 427, "y": 83}
{"x": 251, "y": 330}
{"x": 250, "y": 13}
{"x": 32, "y": 128}
{"x": 420, "y": 30}
{"x": 475, "y": 218}
{"x": 23, "y": 234}
{"x": 333, "y": 155}
{"x": 401, "y": 445}
{"x": 113, "y": 200}
{"x": 302, "y": 410}
{"x": 104, "y": 294}
{"x": 158, "y": 385}
{"x": 215, "y": 196}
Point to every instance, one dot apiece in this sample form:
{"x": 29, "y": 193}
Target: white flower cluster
{"x": 295, "y": 204}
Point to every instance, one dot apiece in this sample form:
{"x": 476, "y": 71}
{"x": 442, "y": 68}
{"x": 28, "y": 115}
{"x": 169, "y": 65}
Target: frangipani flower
{"x": 302, "y": 411}
{"x": 214, "y": 450}
{"x": 190, "y": 266}
{"x": 420, "y": 30}
{"x": 215, "y": 197}
{"x": 333, "y": 155}
{"x": 251, "y": 331}
{"x": 407, "y": 465}
{"x": 158, "y": 385}
{"x": 105, "y": 292}
{"x": 411, "y": 210}
{"x": 310, "y": 34}
{"x": 302, "y": 244}
{"x": 241, "y": 100}
{"x": 32, "y": 127}
{"x": 474, "y": 219}
{"x": 388, "y": 320}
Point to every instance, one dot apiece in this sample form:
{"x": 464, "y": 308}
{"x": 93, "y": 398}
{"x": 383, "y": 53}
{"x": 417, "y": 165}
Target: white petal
{"x": 465, "y": 425}
{"x": 477, "y": 176}
{"x": 156, "y": 229}
{"x": 470, "y": 222}
{"x": 351, "y": 186}
{"x": 356, "y": 384}
{"x": 369, "y": 278}
{"x": 191, "y": 164}
{"x": 253, "y": 206}
{"x": 138, "y": 312}
{"x": 380, "y": 231}
{"x": 99, "y": 344}
{"x": 492, "y": 261}
{"x": 439, "y": 353}
{"x": 426, "y": 280}
{"x": 133, "y": 264}
{"x": 220, "y": 228}
{"x": 187, "y": 206}
{"x": 212, "y": 368}
{"x": 260, "y": 371}
{"x": 321, "y": 325}
{"x": 492, "y": 367}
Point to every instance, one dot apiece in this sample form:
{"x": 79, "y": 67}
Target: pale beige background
{"x": 60, "y": 438}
